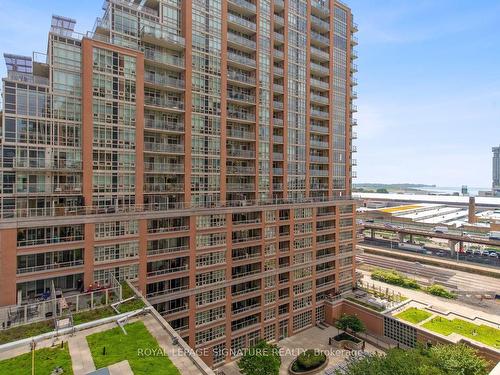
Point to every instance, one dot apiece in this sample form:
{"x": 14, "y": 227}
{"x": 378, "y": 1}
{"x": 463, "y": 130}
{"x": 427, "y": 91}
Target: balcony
{"x": 160, "y": 80}
{"x": 279, "y": 37}
{"x": 242, "y": 6}
{"x": 319, "y": 129}
{"x": 277, "y": 138}
{"x": 167, "y": 271}
{"x": 354, "y": 81}
{"x": 46, "y": 188}
{"x": 354, "y": 122}
{"x": 319, "y": 99}
{"x": 354, "y": 26}
{"x": 319, "y": 172}
{"x": 354, "y": 54}
{"x": 319, "y": 159}
{"x": 319, "y": 54}
{"x": 354, "y": 135}
{"x": 278, "y": 122}
{"x": 321, "y": 6}
{"x": 159, "y": 35}
{"x": 46, "y": 164}
{"x": 316, "y": 83}
{"x": 277, "y": 186}
{"x": 170, "y": 126}
{"x": 278, "y": 156}
{"x": 241, "y": 42}
{"x": 241, "y": 134}
{"x": 319, "y": 69}
{"x": 354, "y": 162}
{"x": 278, "y": 105}
{"x": 240, "y": 170}
{"x": 354, "y": 94}
{"x": 354, "y": 40}
{"x": 163, "y": 168}
{"x": 240, "y": 97}
{"x": 319, "y": 113}
{"x": 278, "y": 71}
{"x": 278, "y": 88}
{"x": 278, "y": 171}
{"x": 240, "y": 115}
{"x": 319, "y": 144}
{"x": 278, "y": 20}
{"x": 167, "y": 187}
{"x": 319, "y": 23}
{"x": 168, "y": 148}
{"x": 354, "y": 148}
{"x": 319, "y": 39}
{"x": 247, "y": 80}
{"x": 50, "y": 267}
{"x": 164, "y": 59}
{"x": 240, "y": 186}
{"x": 319, "y": 186}
{"x": 241, "y": 60}
{"x": 164, "y": 103}
{"x": 279, "y": 4}
{"x": 167, "y": 250}
{"x": 239, "y": 22}
{"x": 278, "y": 55}
{"x": 354, "y": 68}
{"x": 240, "y": 153}
{"x": 354, "y": 108}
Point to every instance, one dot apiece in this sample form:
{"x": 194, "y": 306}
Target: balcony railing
{"x": 237, "y": 169}
{"x": 320, "y": 129}
{"x": 236, "y": 76}
{"x": 241, "y": 96}
{"x": 279, "y": 20}
{"x": 320, "y": 38}
{"x": 240, "y": 187}
{"x": 278, "y": 105}
{"x": 318, "y": 113}
{"x": 319, "y": 68}
{"x": 167, "y": 250}
{"x": 48, "y": 267}
{"x": 168, "y": 270}
{"x": 234, "y": 152}
{"x": 320, "y": 84}
{"x": 237, "y": 133}
{"x": 241, "y": 40}
{"x": 319, "y": 144}
{"x": 241, "y": 59}
{"x": 163, "y": 167}
{"x": 232, "y": 18}
{"x": 163, "y": 34}
{"x": 277, "y": 156}
{"x": 164, "y": 58}
{"x": 43, "y": 163}
{"x": 316, "y": 52}
{"x": 318, "y": 22}
{"x": 319, "y": 159}
{"x": 279, "y": 54}
{"x": 279, "y": 36}
{"x": 278, "y": 171}
{"x": 244, "y": 4}
{"x": 240, "y": 115}
{"x": 277, "y": 138}
{"x": 319, "y": 172}
{"x": 164, "y": 125}
{"x": 164, "y": 102}
{"x": 278, "y": 71}
{"x": 321, "y": 5}
{"x": 319, "y": 98}
{"x": 49, "y": 188}
{"x": 163, "y": 187}
{"x": 164, "y": 147}
{"x": 164, "y": 80}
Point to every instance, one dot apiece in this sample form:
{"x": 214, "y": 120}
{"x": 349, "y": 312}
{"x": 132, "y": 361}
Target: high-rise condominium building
{"x": 496, "y": 171}
{"x": 202, "y": 149}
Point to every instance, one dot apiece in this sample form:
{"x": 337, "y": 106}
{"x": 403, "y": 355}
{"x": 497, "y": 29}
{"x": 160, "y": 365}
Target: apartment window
{"x": 210, "y": 334}
{"x": 210, "y": 259}
{"x": 210, "y": 240}
{"x": 219, "y": 353}
{"x": 210, "y": 221}
{"x": 208, "y": 316}
{"x": 304, "y": 287}
{"x": 210, "y": 296}
{"x": 302, "y": 272}
{"x": 119, "y": 273}
{"x": 302, "y": 320}
{"x": 269, "y": 297}
{"x": 270, "y": 332}
{"x": 116, "y": 251}
{"x": 112, "y": 229}
{"x": 210, "y": 277}
{"x": 300, "y": 303}
{"x": 270, "y": 313}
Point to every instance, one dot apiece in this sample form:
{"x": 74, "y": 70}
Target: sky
{"x": 429, "y": 82}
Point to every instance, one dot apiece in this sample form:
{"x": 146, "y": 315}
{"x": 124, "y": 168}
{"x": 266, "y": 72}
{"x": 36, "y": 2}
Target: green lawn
{"x": 46, "y": 360}
{"x": 413, "y": 315}
{"x": 120, "y": 347}
{"x": 485, "y": 334}
{"x": 91, "y": 315}
{"x": 24, "y": 331}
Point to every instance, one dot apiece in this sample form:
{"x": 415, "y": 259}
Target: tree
{"x": 454, "y": 359}
{"x": 458, "y": 359}
{"x": 350, "y": 322}
{"x": 382, "y": 191}
{"x": 261, "y": 359}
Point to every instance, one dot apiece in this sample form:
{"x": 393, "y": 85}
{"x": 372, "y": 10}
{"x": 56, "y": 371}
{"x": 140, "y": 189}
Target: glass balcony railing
{"x": 232, "y": 18}
{"x": 163, "y": 35}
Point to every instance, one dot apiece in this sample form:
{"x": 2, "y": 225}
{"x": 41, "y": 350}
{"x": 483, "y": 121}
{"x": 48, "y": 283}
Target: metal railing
{"x": 158, "y": 79}
{"x": 163, "y": 167}
{"x": 160, "y": 33}
{"x": 244, "y": 4}
{"x": 163, "y": 125}
{"x": 164, "y": 147}
{"x": 241, "y": 21}
{"x": 241, "y": 40}
{"x": 164, "y": 102}
{"x": 318, "y": 83}
{"x": 52, "y": 266}
{"x": 236, "y": 76}
{"x": 241, "y": 59}
{"x": 164, "y": 58}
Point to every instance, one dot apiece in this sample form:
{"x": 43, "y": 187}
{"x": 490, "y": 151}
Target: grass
{"x": 484, "y": 334}
{"x": 46, "y": 360}
{"x": 414, "y": 315}
{"x": 25, "y": 331}
{"x": 120, "y": 347}
{"x": 394, "y": 278}
{"x": 91, "y": 315}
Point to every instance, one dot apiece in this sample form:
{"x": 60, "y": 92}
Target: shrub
{"x": 440, "y": 291}
{"x": 394, "y": 278}
{"x": 261, "y": 359}
{"x": 351, "y": 322}
{"x": 309, "y": 360}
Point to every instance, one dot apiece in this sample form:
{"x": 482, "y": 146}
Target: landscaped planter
{"x": 347, "y": 341}
{"x": 314, "y": 370}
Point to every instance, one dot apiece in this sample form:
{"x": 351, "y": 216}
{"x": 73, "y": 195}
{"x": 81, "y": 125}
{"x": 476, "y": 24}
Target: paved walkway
{"x": 81, "y": 359}
{"x": 120, "y": 368}
{"x": 179, "y": 359}
{"x": 311, "y": 338}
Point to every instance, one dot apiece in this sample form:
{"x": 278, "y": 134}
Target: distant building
{"x": 496, "y": 171}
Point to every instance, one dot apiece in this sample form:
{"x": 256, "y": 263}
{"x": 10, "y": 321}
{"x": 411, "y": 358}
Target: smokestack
{"x": 472, "y": 210}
